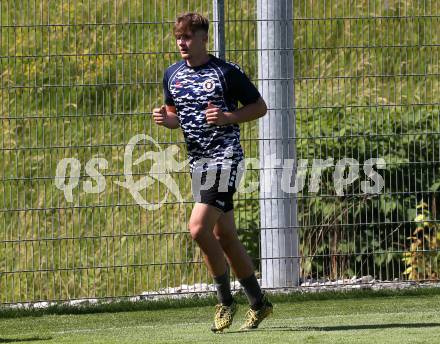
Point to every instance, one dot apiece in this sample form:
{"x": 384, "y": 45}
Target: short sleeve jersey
{"x": 190, "y": 89}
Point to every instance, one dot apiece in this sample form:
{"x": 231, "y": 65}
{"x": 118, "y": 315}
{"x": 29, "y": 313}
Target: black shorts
{"x": 220, "y": 194}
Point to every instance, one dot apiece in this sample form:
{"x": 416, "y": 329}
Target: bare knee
{"x": 196, "y": 229}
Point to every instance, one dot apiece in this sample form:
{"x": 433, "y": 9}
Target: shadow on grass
{"x": 18, "y": 340}
{"x": 338, "y": 328}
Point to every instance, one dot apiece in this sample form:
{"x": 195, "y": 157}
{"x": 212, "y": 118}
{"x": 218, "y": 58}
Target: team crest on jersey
{"x": 209, "y": 85}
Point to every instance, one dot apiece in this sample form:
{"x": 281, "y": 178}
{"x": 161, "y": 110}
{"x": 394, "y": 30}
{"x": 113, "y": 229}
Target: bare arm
{"x": 246, "y": 113}
{"x": 166, "y": 116}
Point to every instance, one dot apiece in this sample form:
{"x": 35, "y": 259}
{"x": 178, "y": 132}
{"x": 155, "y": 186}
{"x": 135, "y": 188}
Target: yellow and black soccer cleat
{"x": 255, "y": 317}
{"x": 223, "y": 316}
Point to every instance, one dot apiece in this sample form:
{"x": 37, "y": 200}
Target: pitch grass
{"x": 354, "y": 317}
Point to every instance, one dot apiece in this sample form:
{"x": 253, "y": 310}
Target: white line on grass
{"x": 126, "y": 327}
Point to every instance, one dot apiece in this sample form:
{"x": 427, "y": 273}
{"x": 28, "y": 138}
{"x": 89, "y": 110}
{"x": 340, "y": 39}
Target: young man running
{"x": 201, "y": 97}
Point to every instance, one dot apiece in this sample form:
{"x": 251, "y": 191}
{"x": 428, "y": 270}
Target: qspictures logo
{"x": 273, "y": 172}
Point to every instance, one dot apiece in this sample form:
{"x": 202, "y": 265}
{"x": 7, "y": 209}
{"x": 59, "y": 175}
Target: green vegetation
{"x": 366, "y": 86}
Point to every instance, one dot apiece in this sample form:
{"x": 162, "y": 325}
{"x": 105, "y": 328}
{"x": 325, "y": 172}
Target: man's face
{"x": 192, "y": 44}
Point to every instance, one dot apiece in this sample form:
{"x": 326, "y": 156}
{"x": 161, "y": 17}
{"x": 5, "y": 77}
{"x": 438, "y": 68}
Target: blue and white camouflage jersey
{"x": 190, "y": 89}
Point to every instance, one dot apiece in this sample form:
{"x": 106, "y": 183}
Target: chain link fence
{"x": 79, "y": 79}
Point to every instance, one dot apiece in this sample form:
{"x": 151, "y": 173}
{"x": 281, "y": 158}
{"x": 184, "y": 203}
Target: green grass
{"x": 359, "y": 317}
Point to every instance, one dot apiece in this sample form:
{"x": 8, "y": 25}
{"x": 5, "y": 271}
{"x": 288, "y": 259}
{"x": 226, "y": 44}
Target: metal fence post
{"x": 279, "y": 239}
{"x": 219, "y": 28}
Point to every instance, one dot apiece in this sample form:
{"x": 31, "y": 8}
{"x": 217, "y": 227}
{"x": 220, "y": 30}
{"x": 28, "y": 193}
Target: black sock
{"x": 223, "y": 288}
{"x": 253, "y": 291}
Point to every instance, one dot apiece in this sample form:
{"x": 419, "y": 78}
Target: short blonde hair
{"x": 190, "y": 21}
